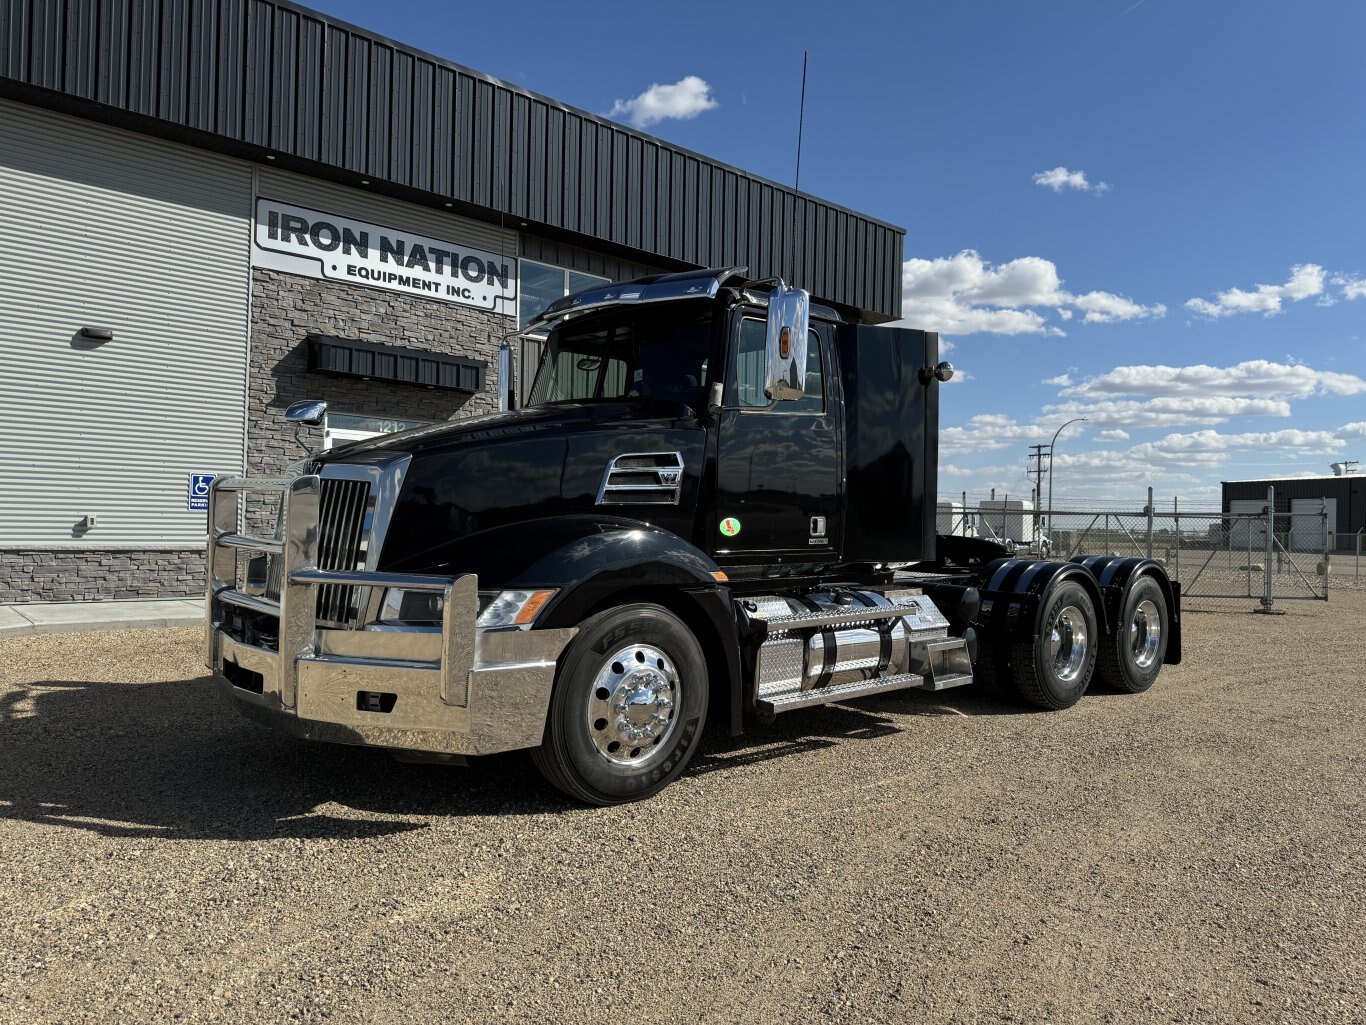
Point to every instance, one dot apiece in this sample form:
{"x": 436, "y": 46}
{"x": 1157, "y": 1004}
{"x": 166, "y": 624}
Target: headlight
{"x": 513, "y": 608}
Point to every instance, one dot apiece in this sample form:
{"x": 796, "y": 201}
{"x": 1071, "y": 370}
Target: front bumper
{"x": 456, "y": 690}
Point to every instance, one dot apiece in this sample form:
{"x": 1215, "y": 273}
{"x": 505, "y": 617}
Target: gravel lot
{"x": 1194, "y": 854}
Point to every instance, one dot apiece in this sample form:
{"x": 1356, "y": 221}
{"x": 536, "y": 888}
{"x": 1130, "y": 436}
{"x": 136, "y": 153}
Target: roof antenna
{"x": 797, "y": 179}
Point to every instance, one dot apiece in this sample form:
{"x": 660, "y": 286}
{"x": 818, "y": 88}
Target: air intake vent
{"x": 343, "y": 538}
{"x": 642, "y": 478}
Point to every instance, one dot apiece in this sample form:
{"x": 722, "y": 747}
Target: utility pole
{"x": 1036, "y": 470}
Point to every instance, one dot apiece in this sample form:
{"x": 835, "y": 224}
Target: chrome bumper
{"x": 459, "y": 690}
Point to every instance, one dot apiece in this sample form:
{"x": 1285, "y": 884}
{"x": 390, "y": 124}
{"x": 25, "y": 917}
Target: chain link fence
{"x": 1222, "y": 559}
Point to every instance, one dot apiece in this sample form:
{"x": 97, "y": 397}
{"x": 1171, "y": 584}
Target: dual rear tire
{"x": 1053, "y": 669}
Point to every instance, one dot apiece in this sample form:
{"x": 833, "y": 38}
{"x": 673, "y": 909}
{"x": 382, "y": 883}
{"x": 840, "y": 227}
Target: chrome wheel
{"x": 1067, "y": 643}
{"x": 1145, "y": 634}
{"x": 632, "y": 707}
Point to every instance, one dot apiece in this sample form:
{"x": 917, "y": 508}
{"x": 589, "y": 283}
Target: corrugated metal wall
{"x": 102, "y": 228}
{"x": 275, "y": 77}
{"x": 391, "y": 213}
{"x": 1348, "y": 491}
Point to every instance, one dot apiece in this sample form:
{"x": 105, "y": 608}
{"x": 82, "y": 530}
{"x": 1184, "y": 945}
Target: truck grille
{"x": 343, "y": 540}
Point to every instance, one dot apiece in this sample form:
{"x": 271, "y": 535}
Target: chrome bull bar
{"x": 466, "y": 691}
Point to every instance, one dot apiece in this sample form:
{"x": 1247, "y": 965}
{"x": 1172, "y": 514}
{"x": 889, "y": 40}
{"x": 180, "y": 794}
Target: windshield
{"x": 654, "y": 352}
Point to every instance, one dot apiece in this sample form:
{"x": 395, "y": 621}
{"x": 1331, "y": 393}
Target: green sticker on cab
{"x": 730, "y": 526}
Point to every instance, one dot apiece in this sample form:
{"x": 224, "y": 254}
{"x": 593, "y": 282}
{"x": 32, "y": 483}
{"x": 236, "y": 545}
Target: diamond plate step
{"x": 948, "y": 681}
{"x": 788, "y": 700}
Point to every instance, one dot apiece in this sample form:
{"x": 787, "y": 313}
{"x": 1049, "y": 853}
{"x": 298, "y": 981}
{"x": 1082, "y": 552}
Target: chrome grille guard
{"x": 313, "y": 676}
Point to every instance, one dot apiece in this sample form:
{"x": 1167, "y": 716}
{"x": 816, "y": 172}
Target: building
{"x": 213, "y": 208}
{"x": 1306, "y": 507}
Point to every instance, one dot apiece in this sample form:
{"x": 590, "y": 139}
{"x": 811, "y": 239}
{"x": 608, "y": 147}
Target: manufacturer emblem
{"x": 670, "y": 478}
{"x": 730, "y": 526}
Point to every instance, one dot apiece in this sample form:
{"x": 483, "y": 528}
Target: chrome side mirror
{"x": 308, "y": 413}
{"x": 789, "y": 317}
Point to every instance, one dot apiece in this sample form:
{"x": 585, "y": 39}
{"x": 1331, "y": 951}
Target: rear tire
{"x": 1052, "y": 669}
{"x": 628, "y": 706}
{"x": 1132, "y": 656}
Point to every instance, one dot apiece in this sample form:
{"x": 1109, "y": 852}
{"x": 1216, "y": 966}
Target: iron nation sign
{"x": 298, "y": 240}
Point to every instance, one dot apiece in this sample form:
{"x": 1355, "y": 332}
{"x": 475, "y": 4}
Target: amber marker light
{"x": 532, "y": 606}
{"x": 718, "y": 576}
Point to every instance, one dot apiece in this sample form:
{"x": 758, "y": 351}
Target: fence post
{"x": 1268, "y": 598}
{"x": 1176, "y": 541}
{"x": 1327, "y": 554}
{"x": 1150, "y": 522}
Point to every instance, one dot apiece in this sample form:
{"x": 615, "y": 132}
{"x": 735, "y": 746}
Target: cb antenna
{"x": 797, "y": 178}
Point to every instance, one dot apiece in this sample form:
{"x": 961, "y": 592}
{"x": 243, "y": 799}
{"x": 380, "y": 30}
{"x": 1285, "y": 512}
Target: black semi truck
{"x": 718, "y": 500}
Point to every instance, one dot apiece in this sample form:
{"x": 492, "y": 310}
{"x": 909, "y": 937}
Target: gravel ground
{"x": 1194, "y": 854}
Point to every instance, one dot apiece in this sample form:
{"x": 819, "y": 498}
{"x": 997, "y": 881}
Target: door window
{"x": 746, "y": 385}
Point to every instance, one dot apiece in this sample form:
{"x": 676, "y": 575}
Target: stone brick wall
{"x": 69, "y": 574}
{"x": 287, "y": 308}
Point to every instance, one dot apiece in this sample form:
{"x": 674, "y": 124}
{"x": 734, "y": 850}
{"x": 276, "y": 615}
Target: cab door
{"x": 778, "y": 465}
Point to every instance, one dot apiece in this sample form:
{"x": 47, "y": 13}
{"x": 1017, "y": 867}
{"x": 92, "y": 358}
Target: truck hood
{"x": 522, "y": 423}
{"x": 476, "y": 477}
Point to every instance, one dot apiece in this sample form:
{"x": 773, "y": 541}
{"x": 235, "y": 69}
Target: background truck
{"x": 718, "y": 499}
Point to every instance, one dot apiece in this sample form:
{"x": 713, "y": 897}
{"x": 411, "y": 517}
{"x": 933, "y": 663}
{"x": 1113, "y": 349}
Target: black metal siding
{"x": 255, "y": 76}
{"x": 1350, "y": 492}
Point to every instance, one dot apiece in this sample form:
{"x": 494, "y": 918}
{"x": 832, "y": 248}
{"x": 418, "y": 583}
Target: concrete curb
{"x": 74, "y": 617}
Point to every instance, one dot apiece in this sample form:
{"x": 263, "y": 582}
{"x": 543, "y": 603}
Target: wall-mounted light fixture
{"x": 98, "y": 334}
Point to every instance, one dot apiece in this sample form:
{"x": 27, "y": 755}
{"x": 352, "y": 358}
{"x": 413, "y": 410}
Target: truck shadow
{"x": 175, "y": 760}
{"x": 825, "y": 726}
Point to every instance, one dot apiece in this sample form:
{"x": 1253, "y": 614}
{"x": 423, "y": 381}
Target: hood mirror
{"x": 789, "y": 314}
{"x": 308, "y": 413}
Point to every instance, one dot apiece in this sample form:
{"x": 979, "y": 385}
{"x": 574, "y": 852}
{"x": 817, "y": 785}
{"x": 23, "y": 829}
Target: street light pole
{"x": 1050, "y": 469}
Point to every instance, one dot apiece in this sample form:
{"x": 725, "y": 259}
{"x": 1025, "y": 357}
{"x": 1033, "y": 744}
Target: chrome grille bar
{"x": 341, "y": 546}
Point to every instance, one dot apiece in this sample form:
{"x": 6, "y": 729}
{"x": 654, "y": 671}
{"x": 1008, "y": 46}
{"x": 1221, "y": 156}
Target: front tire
{"x": 1132, "y": 656}
{"x": 628, "y": 706}
{"x": 1052, "y": 669}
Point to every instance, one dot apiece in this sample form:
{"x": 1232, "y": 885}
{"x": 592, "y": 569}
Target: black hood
{"x": 479, "y": 476}
{"x": 560, "y": 418}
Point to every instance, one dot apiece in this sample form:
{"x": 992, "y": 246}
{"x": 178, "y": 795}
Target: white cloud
{"x": 1253, "y": 378}
{"x": 1214, "y": 444}
{"x": 1106, "y": 308}
{"x": 1306, "y": 279}
{"x": 1166, "y": 411}
{"x": 988, "y": 431}
{"x": 964, "y": 294}
{"x": 685, "y": 99}
{"x": 1060, "y": 178}
{"x": 1061, "y": 381}
{"x": 1352, "y": 288}
{"x": 1356, "y": 430}
{"x": 1113, "y": 435}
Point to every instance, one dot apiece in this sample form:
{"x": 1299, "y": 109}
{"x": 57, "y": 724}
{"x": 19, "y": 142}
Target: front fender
{"x": 593, "y": 562}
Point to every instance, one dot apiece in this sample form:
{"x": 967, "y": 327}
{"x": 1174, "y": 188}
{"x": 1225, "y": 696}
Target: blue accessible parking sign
{"x": 197, "y": 499}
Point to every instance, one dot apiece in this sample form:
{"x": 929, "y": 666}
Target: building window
{"x": 343, "y": 428}
{"x": 541, "y": 284}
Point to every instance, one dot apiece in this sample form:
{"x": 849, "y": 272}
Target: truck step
{"x": 947, "y": 662}
{"x": 786, "y": 701}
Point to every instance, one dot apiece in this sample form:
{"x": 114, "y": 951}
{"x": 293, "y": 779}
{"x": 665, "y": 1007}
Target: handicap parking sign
{"x": 197, "y": 499}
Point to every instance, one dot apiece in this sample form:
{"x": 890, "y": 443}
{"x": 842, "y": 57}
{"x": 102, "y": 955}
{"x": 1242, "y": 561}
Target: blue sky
{"x": 1149, "y": 213}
